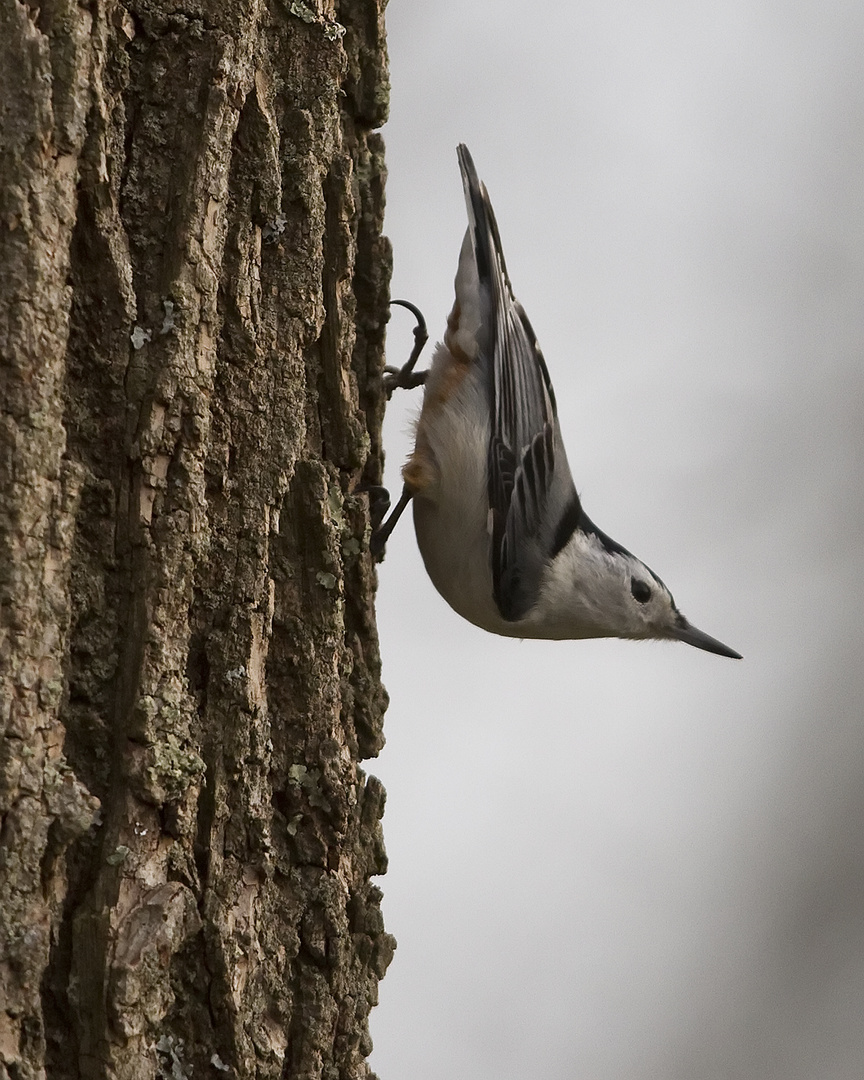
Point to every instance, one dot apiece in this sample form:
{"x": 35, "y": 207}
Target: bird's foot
{"x": 406, "y": 378}
{"x": 381, "y": 531}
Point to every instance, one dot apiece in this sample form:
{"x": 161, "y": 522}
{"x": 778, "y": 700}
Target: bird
{"x": 499, "y": 523}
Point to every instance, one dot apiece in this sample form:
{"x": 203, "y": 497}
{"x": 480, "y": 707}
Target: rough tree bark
{"x": 193, "y": 289}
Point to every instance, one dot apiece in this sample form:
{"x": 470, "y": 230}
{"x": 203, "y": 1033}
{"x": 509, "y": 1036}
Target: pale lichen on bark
{"x": 194, "y": 288}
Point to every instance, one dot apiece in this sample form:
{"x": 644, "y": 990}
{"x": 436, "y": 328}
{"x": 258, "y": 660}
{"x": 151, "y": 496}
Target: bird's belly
{"x": 451, "y": 511}
{"x": 455, "y": 549}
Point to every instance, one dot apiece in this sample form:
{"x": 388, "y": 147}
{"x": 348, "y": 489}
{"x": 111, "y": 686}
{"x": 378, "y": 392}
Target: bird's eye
{"x": 641, "y": 591}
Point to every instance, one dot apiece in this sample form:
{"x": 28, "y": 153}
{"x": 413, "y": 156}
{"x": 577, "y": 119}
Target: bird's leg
{"x": 406, "y": 377}
{"x": 381, "y": 534}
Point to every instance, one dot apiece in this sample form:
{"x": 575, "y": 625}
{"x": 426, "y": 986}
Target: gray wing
{"x": 532, "y": 499}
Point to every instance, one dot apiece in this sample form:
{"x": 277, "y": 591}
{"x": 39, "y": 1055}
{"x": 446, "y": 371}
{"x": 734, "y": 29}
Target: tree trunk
{"x": 193, "y": 290}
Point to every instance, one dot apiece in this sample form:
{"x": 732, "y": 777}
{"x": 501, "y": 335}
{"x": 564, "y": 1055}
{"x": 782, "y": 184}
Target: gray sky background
{"x": 627, "y": 861}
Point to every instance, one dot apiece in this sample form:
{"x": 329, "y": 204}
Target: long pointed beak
{"x": 689, "y": 634}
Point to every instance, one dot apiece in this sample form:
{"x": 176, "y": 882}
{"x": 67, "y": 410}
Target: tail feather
{"x": 488, "y": 252}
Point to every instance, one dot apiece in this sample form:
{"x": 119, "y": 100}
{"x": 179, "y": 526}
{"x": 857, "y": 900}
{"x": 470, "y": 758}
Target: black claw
{"x": 405, "y": 377}
{"x": 416, "y": 312}
{"x": 379, "y": 504}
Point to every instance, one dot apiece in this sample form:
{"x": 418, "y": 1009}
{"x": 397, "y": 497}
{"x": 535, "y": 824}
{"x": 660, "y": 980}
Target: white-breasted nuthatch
{"x": 499, "y": 523}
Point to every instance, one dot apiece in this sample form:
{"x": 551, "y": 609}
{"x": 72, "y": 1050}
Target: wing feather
{"x": 530, "y": 488}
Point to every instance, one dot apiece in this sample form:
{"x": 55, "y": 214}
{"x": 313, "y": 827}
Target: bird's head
{"x": 596, "y": 588}
{"x": 651, "y": 610}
